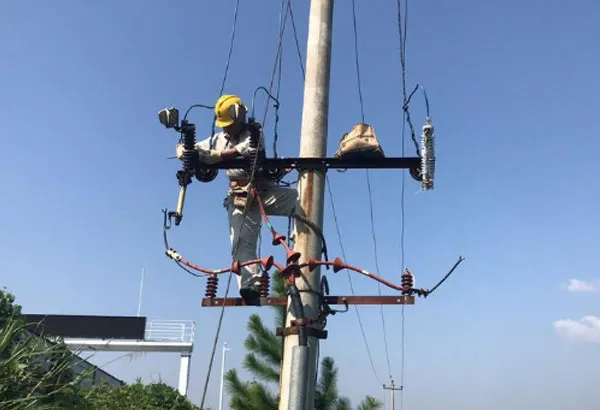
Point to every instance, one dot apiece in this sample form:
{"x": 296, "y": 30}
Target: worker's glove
{"x": 210, "y": 156}
{"x": 255, "y": 129}
{"x": 179, "y": 151}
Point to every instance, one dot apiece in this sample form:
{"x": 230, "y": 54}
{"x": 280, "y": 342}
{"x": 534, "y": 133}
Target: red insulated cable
{"x": 277, "y": 237}
{"x": 218, "y": 271}
{"x": 338, "y": 264}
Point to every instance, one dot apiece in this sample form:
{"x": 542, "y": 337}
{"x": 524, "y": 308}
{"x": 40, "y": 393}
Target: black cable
{"x": 337, "y": 227}
{"x": 235, "y": 247}
{"x": 362, "y": 113}
{"x": 275, "y": 135}
{"x": 166, "y": 241}
{"x": 210, "y": 107}
{"x": 460, "y": 259}
{"x": 376, "y": 255}
{"x": 402, "y": 34}
{"x": 300, "y": 58}
{"x": 360, "y": 324}
{"x": 231, "y": 41}
{"x": 316, "y": 230}
{"x": 406, "y": 118}
{"x": 252, "y": 176}
{"x": 226, "y": 72}
{"x": 269, "y": 95}
{"x": 402, "y": 264}
{"x": 402, "y": 364}
{"x": 424, "y": 95}
{"x": 356, "y": 60}
{"x": 277, "y": 56}
{"x": 233, "y": 253}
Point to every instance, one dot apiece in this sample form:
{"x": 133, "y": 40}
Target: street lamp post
{"x": 225, "y": 349}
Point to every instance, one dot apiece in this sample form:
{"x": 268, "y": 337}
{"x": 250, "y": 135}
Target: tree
{"x": 154, "y": 396}
{"x": 263, "y": 360}
{"x": 37, "y": 374}
{"x": 33, "y": 372}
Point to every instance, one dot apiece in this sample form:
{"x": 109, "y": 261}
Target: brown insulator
{"x": 264, "y": 285}
{"x": 338, "y": 265}
{"x": 267, "y": 262}
{"x": 278, "y": 239}
{"x": 212, "y": 283}
{"x": 292, "y": 257}
{"x": 407, "y": 282}
{"x": 312, "y": 264}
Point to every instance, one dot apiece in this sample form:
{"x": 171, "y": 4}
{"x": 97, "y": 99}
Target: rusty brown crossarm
{"x": 331, "y": 300}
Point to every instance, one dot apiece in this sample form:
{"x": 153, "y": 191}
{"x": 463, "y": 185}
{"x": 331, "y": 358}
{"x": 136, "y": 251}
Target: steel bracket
{"x": 411, "y": 163}
{"x": 330, "y": 300}
{"x": 310, "y": 331}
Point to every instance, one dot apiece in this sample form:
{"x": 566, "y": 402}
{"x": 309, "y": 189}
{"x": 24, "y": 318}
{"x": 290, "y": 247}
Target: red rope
{"x": 292, "y": 268}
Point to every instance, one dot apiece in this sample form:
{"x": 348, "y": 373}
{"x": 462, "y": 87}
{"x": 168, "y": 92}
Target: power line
{"x": 300, "y": 58}
{"x": 337, "y": 227}
{"x": 231, "y": 41}
{"x": 277, "y": 57}
{"x": 356, "y": 61}
{"x": 376, "y": 255}
{"x": 362, "y": 113}
{"x": 360, "y": 324}
{"x": 241, "y": 224}
{"x": 405, "y": 115}
{"x": 281, "y": 28}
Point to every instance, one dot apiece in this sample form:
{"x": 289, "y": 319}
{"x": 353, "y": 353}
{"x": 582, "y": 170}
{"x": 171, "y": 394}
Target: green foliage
{"x": 263, "y": 361}
{"x": 249, "y": 395}
{"x": 36, "y": 374}
{"x": 327, "y": 394}
{"x": 155, "y": 396}
{"x": 8, "y": 307}
{"x": 369, "y": 403}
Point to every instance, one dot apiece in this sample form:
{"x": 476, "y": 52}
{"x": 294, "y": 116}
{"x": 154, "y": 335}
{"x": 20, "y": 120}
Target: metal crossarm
{"x": 323, "y": 163}
{"x": 330, "y": 300}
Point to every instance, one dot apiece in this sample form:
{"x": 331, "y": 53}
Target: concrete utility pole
{"x": 393, "y": 391}
{"x": 299, "y": 362}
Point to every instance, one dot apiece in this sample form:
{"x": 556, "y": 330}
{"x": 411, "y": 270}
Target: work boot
{"x": 251, "y": 294}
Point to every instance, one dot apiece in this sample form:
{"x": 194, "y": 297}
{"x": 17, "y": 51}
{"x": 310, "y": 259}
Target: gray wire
{"x": 356, "y": 61}
{"x": 402, "y": 36}
{"x": 300, "y": 58}
{"x": 360, "y": 324}
{"x": 231, "y": 41}
{"x": 277, "y": 57}
{"x": 337, "y": 227}
{"x": 362, "y": 113}
{"x": 235, "y": 247}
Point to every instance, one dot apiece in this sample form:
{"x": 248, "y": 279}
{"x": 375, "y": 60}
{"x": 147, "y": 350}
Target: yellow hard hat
{"x": 229, "y": 109}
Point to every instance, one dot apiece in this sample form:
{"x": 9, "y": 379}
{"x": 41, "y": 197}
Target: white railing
{"x": 181, "y": 331}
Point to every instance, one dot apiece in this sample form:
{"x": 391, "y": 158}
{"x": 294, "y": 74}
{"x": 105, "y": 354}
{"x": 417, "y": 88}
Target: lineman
{"x": 235, "y": 141}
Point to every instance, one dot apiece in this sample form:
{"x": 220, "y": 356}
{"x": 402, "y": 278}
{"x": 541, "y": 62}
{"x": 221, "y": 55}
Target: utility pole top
{"x": 393, "y": 387}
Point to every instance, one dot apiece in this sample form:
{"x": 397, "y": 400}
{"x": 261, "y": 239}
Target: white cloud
{"x": 576, "y": 285}
{"x": 587, "y": 328}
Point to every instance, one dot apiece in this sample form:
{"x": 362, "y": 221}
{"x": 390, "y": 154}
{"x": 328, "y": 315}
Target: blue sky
{"x": 512, "y": 87}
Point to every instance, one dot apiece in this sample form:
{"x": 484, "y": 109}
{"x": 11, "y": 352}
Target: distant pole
{"x": 225, "y": 349}
{"x": 393, "y": 391}
{"x": 140, "y": 295}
